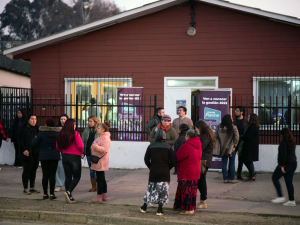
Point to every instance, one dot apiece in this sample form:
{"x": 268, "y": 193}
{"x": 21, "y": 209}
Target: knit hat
{"x": 166, "y": 117}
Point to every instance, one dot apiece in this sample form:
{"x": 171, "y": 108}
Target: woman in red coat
{"x": 188, "y": 172}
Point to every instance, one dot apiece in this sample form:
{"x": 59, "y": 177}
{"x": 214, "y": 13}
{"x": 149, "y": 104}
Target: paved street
{"x": 127, "y": 187}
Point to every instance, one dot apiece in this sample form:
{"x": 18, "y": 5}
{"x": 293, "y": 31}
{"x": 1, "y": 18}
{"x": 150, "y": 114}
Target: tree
{"x": 23, "y": 20}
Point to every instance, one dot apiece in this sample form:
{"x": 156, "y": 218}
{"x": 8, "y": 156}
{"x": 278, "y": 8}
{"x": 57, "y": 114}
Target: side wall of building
{"x": 229, "y": 44}
{"x": 9, "y": 79}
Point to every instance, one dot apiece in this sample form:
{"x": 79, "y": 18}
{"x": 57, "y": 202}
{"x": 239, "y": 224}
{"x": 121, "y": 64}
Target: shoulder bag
{"x": 95, "y": 159}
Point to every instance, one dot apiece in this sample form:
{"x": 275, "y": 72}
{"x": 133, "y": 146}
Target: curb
{"x": 112, "y": 219}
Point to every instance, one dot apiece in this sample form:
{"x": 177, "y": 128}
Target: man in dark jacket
{"x": 155, "y": 120}
{"x": 160, "y": 159}
{"x": 30, "y": 154}
{"x": 241, "y": 123}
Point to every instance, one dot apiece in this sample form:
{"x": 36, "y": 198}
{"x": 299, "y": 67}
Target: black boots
{"x": 160, "y": 211}
{"x": 143, "y": 209}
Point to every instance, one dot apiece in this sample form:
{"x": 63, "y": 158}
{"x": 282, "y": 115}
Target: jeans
{"x": 49, "y": 168}
{"x": 231, "y": 166}
{"x": 18, "y": 156}
{"x": 202, "y": 186}
{"x": 29, "y": 171}
{"x": 288, "y": 178}
{"x": 101, "y": 182}
{"x": 92, "y": 172}
{"x": 72, "y": 167}
{"x": 60, "y": 174}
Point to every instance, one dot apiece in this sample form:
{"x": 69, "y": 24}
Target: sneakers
{"x": 250, "y": 179}
{"x": 98, "y": 199}
{"x": 160, "y": 211}
{"x": 143, "y": 209}
{"x": 104, "y": 197}
{"x": 32, "y": 190}
{"x": 187, "y": 213}
{"x": 202, "y": 205}
{"x": 26, "y": 192}
{"x": 20, "y": 167}
{"x": 289, "y": 203}
{"x": 233, "y": 181}
{"x": 278, "y": 200}
{"x": 52, "y": 197}
{"x": 226, "y": 181}
{"x": 69, "y": 198}
{"x": 45, "y": 197}
{"x": 239, "y": 177}
{"x": 58, "y": 189}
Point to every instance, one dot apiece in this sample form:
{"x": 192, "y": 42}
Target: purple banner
{"x": 130, "y": 113}
{"x": 213, "y": 106}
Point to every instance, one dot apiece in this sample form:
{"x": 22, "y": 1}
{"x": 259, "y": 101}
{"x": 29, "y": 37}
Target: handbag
{"x": 95, "y": 159}
{"x": 203, "y": 166}
{"x": 217, "y": 149}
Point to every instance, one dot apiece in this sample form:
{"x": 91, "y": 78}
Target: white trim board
{"x": 135, "y": 13}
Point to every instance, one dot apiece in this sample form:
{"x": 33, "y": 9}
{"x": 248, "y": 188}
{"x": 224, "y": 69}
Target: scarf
{"x": 165, "y": 129}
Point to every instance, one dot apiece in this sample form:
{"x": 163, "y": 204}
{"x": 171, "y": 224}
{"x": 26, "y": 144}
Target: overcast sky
{"x": 286, "y": 7}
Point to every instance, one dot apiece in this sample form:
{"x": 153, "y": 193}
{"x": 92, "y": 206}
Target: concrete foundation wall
{"x": 130, "y": 155}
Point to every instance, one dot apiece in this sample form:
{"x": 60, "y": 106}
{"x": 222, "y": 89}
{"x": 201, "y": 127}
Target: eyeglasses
{"x": 237, "y": 110}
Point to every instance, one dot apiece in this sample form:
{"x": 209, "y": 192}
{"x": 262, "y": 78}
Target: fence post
{"x": 27, "y": 104}
{"x": 76, "y": 112}
{"x": 290, "y": 111}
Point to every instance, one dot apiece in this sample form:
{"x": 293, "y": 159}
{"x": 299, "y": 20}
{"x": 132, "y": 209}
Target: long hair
{"x": 96, "y": 121}
{"x": 66, "y": 136}
{"x": 63, "y": 115}
{"x": 288, "y": 137}
{"x": 253, "y": 120}
{"x": 227, "y": 122}
{"x": 23, "y": 119}
{"x": 206, "y": 130}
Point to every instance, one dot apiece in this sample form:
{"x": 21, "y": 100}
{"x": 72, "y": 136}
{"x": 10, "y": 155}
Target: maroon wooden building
{"x": 252, "y": 52}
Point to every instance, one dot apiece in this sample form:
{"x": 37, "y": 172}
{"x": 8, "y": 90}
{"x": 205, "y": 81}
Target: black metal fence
{"x": 276, "y": 101}
{"x": 12, "y": 100}
{"x": 124, "y": 126}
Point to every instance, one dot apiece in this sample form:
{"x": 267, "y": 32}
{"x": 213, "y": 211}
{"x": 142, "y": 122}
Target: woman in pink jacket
{"x": 100, "y": 148}
{"x": 188, "y": 172}
{"x": 69, "y": 143}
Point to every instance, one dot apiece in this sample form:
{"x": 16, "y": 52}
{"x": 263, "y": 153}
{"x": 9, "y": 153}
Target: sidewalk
{"x": 127, "y": 187}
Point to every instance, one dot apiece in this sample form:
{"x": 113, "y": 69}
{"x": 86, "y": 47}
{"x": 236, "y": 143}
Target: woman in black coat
{"x": 160, "y": 159}
{"x": 183, "y": 128}
{"x": 14, "y": 130}
{"x": 30, "y": 154}
{"x": 208, "y": 141}
{"x": 250, "y": 146}
{"x": 49, "y": 155}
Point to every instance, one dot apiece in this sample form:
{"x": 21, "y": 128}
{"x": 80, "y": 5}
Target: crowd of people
{"x": 180, "y": 144}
